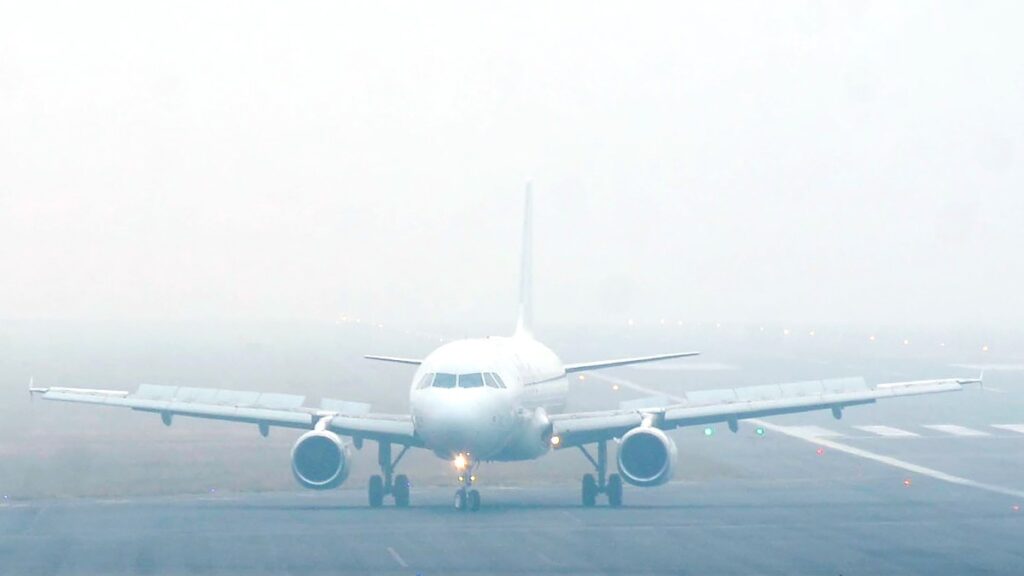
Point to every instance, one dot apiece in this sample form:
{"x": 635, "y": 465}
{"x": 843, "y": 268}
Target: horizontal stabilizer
{"x": 583, "y": 366}
{"x": 414, "y": 361}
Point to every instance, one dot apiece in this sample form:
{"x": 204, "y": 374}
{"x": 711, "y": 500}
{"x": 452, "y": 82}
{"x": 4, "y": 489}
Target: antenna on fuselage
{"x": 524, "y": 324}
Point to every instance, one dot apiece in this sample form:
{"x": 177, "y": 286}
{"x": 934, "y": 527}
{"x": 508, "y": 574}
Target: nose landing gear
{"x": 397, "y": 486}
{"x": 611, "y": 485}
{"x": 466, "y": 498}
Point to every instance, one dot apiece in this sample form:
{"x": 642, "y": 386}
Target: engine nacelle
{"x": 647, "y": 457}
{"x": 320, "y": 460}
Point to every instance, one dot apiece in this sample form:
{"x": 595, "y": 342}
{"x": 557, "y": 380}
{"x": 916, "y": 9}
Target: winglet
{"x": 32, "y": 390}
{"x": 524, "y": 324}
{"x": 980, "y": 380}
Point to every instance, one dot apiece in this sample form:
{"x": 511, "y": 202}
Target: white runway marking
{"x": 397, "y": 558}
{"x": 840, "y": 447}
{"x": 956, "y": 430}
{"x": 814, "y": 431}
{"x": 888, "y": 431}
{"x": 1010, "y": 427}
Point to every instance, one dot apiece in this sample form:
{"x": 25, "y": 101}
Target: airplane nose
{"x": 455, "y": 421}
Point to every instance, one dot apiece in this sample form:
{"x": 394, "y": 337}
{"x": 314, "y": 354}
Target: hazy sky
{"x": 760, "y": 161}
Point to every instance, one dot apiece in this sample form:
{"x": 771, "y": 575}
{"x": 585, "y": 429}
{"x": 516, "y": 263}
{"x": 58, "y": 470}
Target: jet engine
{"x": 647, "y": 457}
{"x": 320, "y": 460}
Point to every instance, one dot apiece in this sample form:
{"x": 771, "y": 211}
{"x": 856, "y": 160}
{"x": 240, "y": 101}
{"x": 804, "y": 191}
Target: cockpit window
{"x": 493, "y": 380}
{"x": 471, "y": 380}
{"x": 426, "y": 381}
{"x": 444, "y": 380}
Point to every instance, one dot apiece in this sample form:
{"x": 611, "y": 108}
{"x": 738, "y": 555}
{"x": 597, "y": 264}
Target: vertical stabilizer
{"x": 524, "y": 324}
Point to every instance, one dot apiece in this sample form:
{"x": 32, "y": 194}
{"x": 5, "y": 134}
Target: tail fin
{"x": 524, "y": 324}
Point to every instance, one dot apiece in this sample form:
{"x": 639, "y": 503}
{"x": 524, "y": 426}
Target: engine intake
{"x": 647, "y": 457}
{"x": 320, "y": 460}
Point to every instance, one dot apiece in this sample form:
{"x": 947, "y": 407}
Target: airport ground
{"x": 914, "y": 486}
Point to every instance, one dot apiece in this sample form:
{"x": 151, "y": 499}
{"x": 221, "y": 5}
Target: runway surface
{"x": 737, "y": 527}
{"x": 930, "y": 485}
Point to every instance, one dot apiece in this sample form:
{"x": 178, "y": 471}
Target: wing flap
{"x": 268, "y": 409}
{"x": 711, "y": 406}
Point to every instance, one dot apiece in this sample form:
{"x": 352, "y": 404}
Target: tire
{"x": 376, "y": 491}
{"x": 474, "y": 500}
{"x": 615, "y": 490}
{"x": 589, "y": 490}
{"x": 460, "y": 499}
{"x": 401, "y": 491}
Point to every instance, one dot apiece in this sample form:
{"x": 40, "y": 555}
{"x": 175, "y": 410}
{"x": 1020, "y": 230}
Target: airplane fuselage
{"x": 488, "y": 398}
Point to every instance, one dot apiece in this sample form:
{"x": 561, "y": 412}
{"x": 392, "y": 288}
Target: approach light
{"x": 460, "y": 462}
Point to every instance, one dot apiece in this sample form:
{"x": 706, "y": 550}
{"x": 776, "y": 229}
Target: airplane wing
{"x": 734, "y": 404}
{"x": 263, "y": 409}
{"x": 598, "y": 364}
{"x": 395, "y": 359}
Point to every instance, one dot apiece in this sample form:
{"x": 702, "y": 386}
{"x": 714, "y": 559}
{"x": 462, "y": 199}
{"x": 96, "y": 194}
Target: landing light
{"x": 907, "y": 482}
{"x": 615, "y": 387}
{"x": 820, "y": 451}
{"x": 460, "y": 462}
{"x": 709, "y": 431}
{"x": 760, "y": 431}
{"x": 555, "y": 440}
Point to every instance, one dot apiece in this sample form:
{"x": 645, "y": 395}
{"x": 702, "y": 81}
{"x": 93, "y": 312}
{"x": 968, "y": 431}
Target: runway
{"x": 725, "y": 527}
{"x": 930, "y": 485}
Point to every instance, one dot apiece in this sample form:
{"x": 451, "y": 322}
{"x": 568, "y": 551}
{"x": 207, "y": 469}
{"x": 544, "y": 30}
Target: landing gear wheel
{"x": 589, "y": 490}
{"x": 474, "y": 500}
{"x": 401, "y": 491}
{"x": 376, "y": 491}
{"x": 614, "y": 490}
{"x": 460, "y": 499}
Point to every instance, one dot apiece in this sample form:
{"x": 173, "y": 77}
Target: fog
{"x": 252, "y": 195}
{"x": 737, "y": 162}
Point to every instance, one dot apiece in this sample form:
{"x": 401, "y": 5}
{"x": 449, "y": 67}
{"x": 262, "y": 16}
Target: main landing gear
{"x": 604, "y": 483}
{"x": 397, "y": 486}
{"x": 466, "y": 497}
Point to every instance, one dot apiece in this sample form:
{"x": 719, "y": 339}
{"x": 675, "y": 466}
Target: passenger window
{"x": 426, "y": 381}
{"x": 444, "y": 380}
{"x": 471, "y": 380}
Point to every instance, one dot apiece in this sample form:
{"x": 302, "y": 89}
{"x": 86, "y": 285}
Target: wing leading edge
{"x": 734, "y": 404}
{"x": 598, "y": 364}
{"x": 263, "y": 409}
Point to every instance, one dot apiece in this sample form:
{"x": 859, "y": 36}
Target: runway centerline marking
{"x": 397, "y": 557}
{"x": 1010, "y": 427}
{"x": 888, "y": 431}
{"x": 838, "y": 446}
{"x": 956, "y": 430}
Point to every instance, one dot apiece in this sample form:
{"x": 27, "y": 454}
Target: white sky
{"x": 761, "y": 161}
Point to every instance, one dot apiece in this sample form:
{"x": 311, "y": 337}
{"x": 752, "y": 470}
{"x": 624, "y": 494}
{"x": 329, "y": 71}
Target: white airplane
{"x": 494, "y": 399}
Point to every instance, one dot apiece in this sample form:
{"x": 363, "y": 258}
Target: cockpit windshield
{"x": 444, "y": 380}
{"x": 471, "y": 380}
